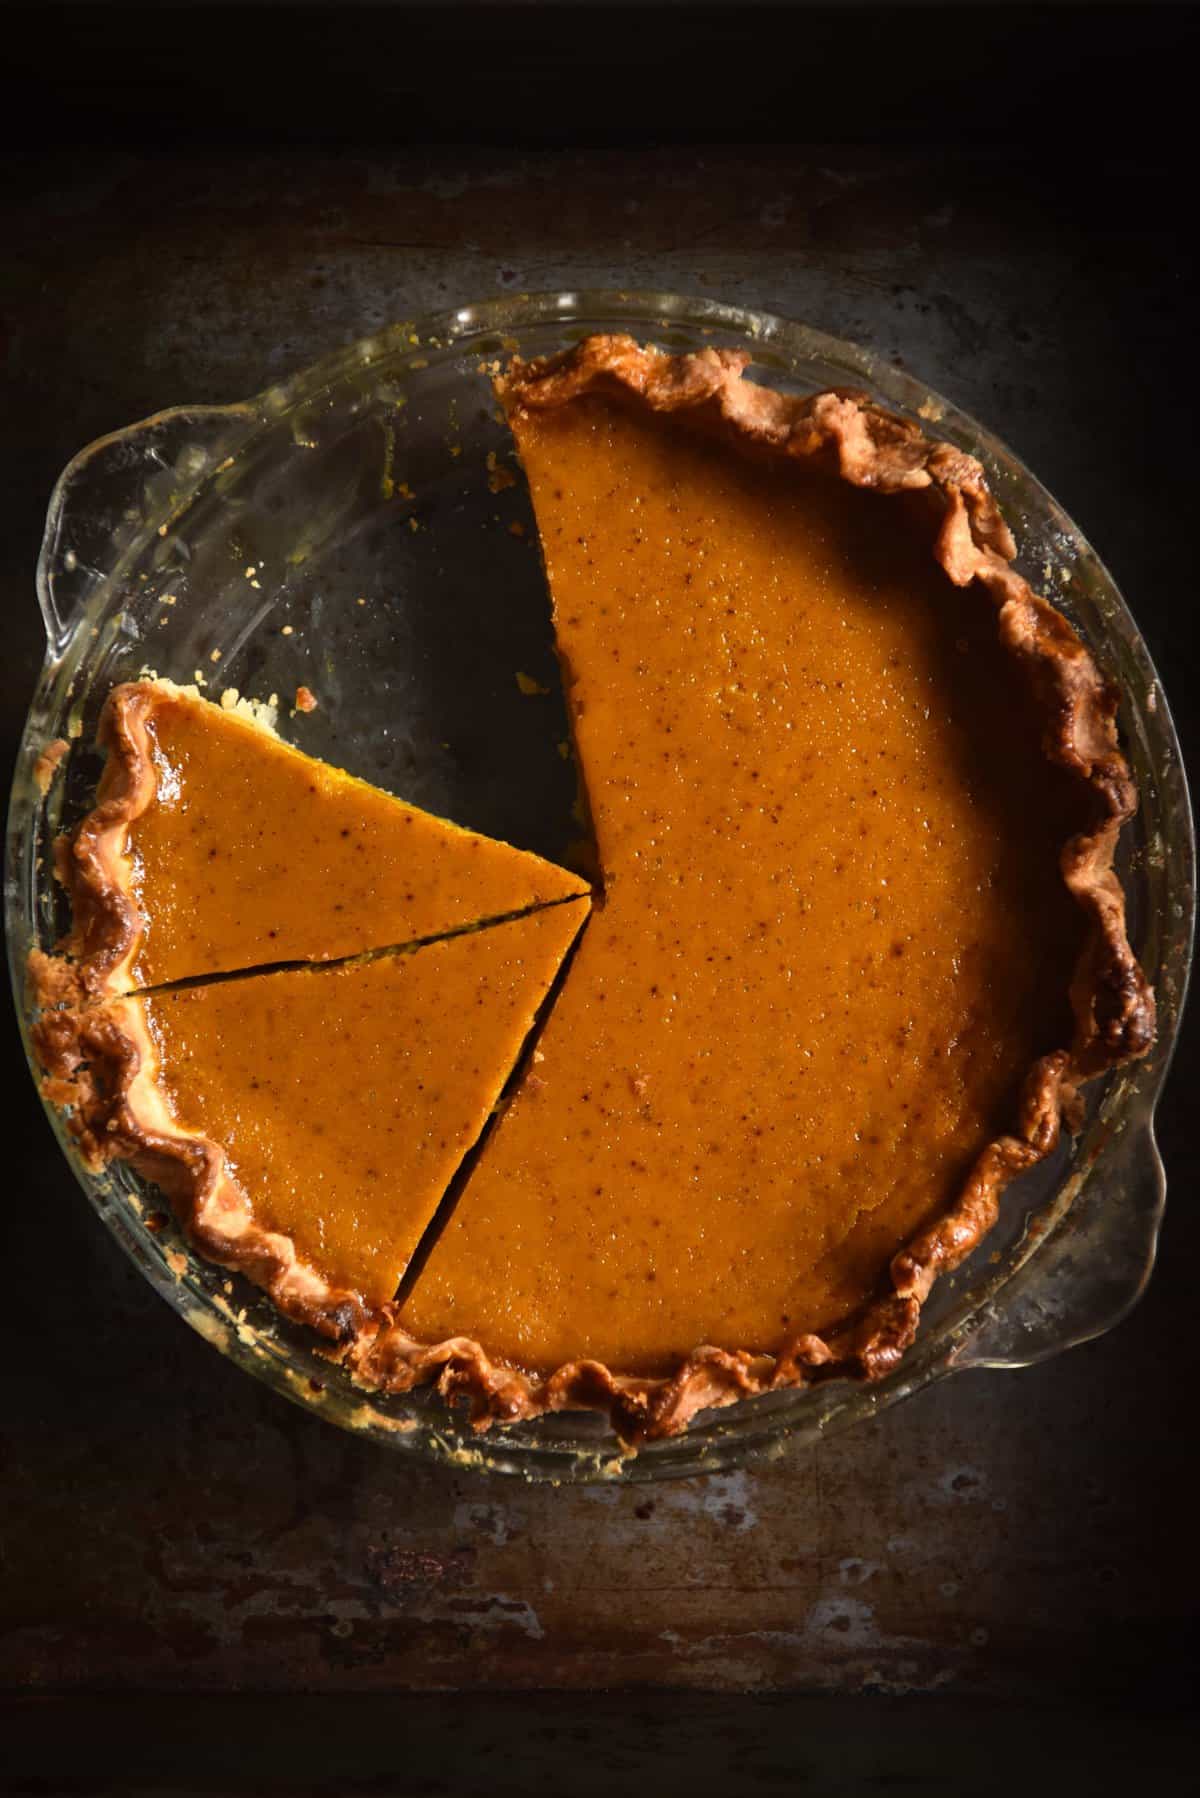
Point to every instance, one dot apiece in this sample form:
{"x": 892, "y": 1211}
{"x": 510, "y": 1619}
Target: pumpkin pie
{"x": 308, "y": 1122}
{"x": 855, "y": 790}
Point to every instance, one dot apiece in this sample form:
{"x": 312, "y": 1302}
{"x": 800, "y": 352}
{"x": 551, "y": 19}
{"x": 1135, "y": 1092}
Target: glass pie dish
{"x": 354, "y": 530}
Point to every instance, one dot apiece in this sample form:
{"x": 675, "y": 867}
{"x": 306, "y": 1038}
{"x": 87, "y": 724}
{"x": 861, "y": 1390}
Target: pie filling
{"x": 827, "y": 954}
{"x": 855, "y": 792}
{"x": 349, "y": 1152}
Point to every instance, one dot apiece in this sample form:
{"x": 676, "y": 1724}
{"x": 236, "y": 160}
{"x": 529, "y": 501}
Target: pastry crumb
{"x": 48, "y": 764}
{"x": 288, "y": 630}
{"x": 306, "y": 699}
{"x": 529, "y": 686}
{"x": 498, "y": 477}
{"x": 516, "y": 528}
{"x": 263, "y": 713}
{"x": 215, "y": 656}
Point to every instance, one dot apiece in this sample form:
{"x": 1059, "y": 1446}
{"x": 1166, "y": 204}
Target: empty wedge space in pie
{"x": 858, "y": 944}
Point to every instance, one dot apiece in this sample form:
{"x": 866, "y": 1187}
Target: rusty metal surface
{"x": 169, "y": 1526}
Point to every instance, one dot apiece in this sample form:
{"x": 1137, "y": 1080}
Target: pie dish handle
{"x": 1093, "y": 1263}
{"x": 147, "y": 474}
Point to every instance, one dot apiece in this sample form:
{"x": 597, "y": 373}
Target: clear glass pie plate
{"x": 351, "y": 530}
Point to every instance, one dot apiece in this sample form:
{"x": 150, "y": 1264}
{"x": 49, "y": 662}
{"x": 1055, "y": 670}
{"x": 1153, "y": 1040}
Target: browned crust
{"x": 95, "y": 959}
{"x": 102, "y": 1069}
{"x": 101, "y": 1062}
{"x": 1112, "y": 1003}
{"x": 48, "y": 764}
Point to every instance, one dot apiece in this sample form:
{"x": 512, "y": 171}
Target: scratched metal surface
{"x": 169, "y": 1526}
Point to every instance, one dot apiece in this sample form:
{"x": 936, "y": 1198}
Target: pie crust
{"x": 108, "y": 1080}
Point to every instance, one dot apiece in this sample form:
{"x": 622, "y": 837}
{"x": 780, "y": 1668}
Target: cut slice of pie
{"x": 833, "y": 747}
{"x": 214, "y": 847}
{"x": 307, "y": 1123}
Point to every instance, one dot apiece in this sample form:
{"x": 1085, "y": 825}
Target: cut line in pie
{"x": 855, "y": 790}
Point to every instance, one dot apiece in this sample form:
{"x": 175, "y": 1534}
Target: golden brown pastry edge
{"x": 95, "y": 959}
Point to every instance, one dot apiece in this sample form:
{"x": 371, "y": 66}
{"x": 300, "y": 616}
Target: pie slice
{"x": 307, "y": 1123}
{"x": 215, "y": 847}
{"x": 833, "y": 747}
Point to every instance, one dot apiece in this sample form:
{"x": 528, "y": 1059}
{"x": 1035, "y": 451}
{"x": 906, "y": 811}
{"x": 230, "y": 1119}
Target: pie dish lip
{"x": 644, "y": 315}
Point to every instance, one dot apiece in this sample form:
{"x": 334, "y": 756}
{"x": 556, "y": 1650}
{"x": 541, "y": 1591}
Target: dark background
{"x": 204, "y": 1590}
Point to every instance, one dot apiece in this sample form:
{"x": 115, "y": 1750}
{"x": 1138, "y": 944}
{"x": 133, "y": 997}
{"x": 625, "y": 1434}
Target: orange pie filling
{"x": 834, "y": 929}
